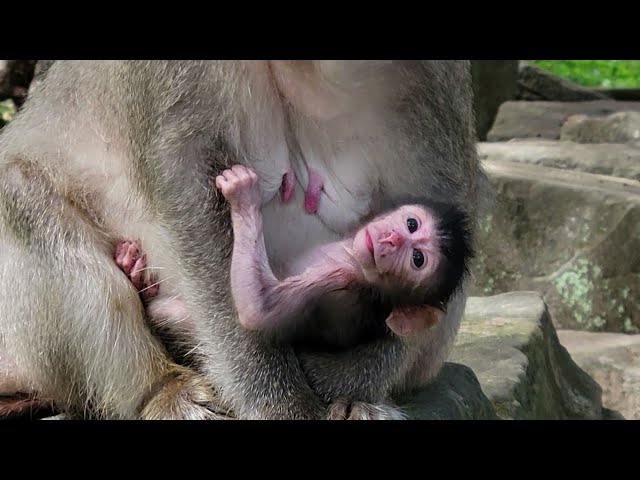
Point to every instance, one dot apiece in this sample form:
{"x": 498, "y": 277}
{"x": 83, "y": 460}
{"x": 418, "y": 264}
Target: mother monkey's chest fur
{"x": 325, "y": 120}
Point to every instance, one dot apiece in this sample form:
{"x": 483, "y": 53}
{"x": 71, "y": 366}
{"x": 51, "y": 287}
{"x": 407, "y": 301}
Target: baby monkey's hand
{"x": 239, "y": 185}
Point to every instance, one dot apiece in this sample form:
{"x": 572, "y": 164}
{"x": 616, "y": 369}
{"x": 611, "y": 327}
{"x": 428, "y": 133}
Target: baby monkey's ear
{"x": 409, "y": 320}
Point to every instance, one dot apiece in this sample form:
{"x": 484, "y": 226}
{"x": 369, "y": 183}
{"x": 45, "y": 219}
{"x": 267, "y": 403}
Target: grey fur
{"x": 106, "y": 150}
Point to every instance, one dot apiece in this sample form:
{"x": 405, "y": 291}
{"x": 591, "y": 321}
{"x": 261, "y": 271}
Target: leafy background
{"x": 7, "y": 110}
{"x": 596, "y": 73}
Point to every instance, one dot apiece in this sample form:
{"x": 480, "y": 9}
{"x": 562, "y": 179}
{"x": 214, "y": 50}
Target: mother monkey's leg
{"x": 70, "y": 321}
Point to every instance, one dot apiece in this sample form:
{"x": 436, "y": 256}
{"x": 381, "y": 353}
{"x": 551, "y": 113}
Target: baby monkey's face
{"x": 400, "y": 246}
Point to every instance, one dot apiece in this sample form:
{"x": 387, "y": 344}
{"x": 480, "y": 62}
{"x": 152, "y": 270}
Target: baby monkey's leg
{"x": 163, "y": 310}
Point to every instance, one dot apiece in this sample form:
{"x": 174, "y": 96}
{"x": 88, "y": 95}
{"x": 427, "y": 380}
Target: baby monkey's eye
{"x": 418, "y": 258}
{"x": 412, "y": 223}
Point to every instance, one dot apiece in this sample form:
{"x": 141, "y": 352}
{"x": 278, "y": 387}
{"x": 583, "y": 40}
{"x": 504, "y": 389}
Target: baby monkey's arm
{"x": 263, "y": 301}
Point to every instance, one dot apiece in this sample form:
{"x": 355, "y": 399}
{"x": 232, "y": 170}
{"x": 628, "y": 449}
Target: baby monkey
{"x": 415, "y": 255}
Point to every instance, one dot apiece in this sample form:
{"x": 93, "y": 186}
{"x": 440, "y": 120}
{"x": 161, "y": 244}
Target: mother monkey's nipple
{"x": 288, "y": 184}
{"x": 312, "y": 192}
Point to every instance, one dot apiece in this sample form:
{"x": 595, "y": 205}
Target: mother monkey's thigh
{"x": 71, "y": 324}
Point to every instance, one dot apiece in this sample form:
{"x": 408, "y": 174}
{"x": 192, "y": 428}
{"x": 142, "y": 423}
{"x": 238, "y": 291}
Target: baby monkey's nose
{"x": 394, "y": 239}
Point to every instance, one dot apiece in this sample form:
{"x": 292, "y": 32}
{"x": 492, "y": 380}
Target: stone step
{"x": 522, "y": 119}
{"x": 573, "y": 236}
{"x": 618, "y": 160}
{"x": 613, "y": 360}
{"x": 619, "y": 127}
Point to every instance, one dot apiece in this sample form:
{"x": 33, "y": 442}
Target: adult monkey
{"x": 106, "y": 150}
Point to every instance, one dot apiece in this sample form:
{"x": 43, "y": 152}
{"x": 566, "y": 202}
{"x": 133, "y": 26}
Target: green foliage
{"x": 596, "y": 73}
{"x": 7, "y": 111}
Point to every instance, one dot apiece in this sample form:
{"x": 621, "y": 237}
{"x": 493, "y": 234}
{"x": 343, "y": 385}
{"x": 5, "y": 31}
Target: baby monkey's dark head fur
{"x": 455, "y": 234}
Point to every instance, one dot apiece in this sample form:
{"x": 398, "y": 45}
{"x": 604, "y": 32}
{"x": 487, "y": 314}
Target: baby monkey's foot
{"x": 134, "y": 265}
{"x": 288, "y": 183}
{"x": 239, "y": 185}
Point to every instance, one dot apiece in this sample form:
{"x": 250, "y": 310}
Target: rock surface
{"x": 520, "y": 119}
{"x": 494, "y": 82}
{"x": 455, "y": 395}
{"x": 613, "y": 360}
{"x": 618, "y": 160}
{"x": 535, "y": 83}
{"x": 619, "y": 127}
{"x": 510, "y": 343}
{"x": 620, "y": 93}
{"x": 573, "y": 236}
